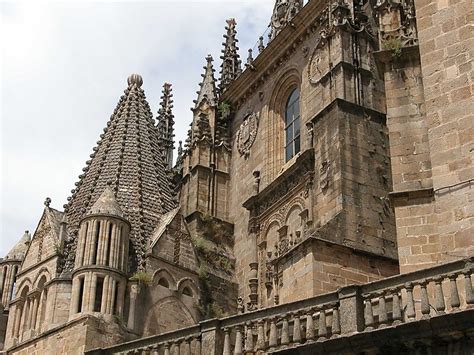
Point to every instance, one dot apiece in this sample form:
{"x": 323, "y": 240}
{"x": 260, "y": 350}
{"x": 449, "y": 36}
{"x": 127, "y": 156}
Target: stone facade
{"x": 339, "y": 157}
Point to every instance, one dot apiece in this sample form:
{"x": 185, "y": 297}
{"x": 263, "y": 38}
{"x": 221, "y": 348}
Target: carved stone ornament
{"x": 319, "y": 63}
{"x": 247, "y": 134}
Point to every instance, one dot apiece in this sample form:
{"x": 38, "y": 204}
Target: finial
{"x": 47, "y": 201}
{"x": 250, "y": 58}
{"x": 261, "y": 46}
{"x": 135, "y": 79}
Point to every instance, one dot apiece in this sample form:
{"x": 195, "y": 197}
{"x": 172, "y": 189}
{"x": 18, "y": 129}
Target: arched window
{"x": 164, "y": 282}
{"x": 292, "y": 125}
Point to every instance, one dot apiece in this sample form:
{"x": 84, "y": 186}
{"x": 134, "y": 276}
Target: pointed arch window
{"x": 292, "y": 125}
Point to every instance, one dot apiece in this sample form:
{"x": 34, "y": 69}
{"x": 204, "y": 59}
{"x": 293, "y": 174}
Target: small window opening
{"x": 292, "y": 126}
{"x": 164, "y": 282}
{"x": 99, "y": 290}
{"x": 187, "y": 291}
{"x": 81, "y": 295}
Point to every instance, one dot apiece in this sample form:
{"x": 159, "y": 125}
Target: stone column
{"x": 34, "y": 312}
{"x": 18, "y": 317}
{"x": 6, "y": 291}
{"x": 80, "y": 247}
{"x": 40, "y": 312}
{"x": 112, "y": 296}
{"x": 253, "y": 276}
{"x": 134, "y": 290}
{"x": 92, "y": 289}
{"x": 24, "y": 318}
{"x": 105, "y": 295}
{"x": 113, "y": 248}
{"x": 120, "y": 298}
{"x": 74, "y": 306}
{"x": 2, "y": 277}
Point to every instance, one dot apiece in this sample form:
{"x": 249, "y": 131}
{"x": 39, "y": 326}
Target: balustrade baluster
{"x": 167, "y": 349}
{"x": 285, "y": 332}
{"x": 273, "y": 338}
{"x": 468, "y": 287}
{"x": 155, "y": 350}
{"x": 296, "y": 328}
{"x": 227, "y": 350}
{"x": 187, "y": 346}
{"x": 336, "y": 324}
{"x": 238, "y": 341}
{"x": 383, "y": 316}
{"x": 425, "y": 302}
{"x": 410, "y": 309}
{"x": 249, "y": 338}
{"x": 396, "y": 310}
{"x": 176, "y": 347}
{"x": 197, "y": 347}
{"x": 323, "y": 330}
{"x": 260, "y": 335}
{"x": 440, "y": 306}
{"x": 455, "y": 302}
{"x": 309, "y": 326}
{"x": 368, "y": 313}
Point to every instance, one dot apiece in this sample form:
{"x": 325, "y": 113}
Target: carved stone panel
{"x": 247, "y": 133}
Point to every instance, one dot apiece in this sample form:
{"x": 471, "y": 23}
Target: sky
{"x": 64, "y": 66}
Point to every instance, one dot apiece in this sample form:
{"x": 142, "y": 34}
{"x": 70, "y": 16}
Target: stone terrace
{"x": 411, "y": 306}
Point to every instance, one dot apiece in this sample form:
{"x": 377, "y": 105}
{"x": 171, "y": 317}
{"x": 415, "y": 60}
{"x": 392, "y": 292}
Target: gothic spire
{"x": 127, "y": 159}
{"x": 165, "y": 125}
{"x": 231, "y": 63}
{"x": 207, "y": 91}
{"x": 283, "y": 12}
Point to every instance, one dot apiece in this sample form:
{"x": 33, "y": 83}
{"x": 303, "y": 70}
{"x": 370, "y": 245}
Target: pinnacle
{"x": 231, "y": 63}
{"x": 207, "y": 89}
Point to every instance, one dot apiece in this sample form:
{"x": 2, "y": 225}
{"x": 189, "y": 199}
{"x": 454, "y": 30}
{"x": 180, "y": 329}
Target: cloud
{"x": 64, "y": 66}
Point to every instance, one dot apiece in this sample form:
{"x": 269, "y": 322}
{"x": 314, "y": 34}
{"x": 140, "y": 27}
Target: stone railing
{"x": 393, "y": 301}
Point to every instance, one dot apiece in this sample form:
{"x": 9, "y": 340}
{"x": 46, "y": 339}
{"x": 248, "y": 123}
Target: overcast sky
{"x": 64, "y": 65}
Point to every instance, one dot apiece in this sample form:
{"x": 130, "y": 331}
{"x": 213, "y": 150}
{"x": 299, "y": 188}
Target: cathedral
{"x": 322, "y": 201}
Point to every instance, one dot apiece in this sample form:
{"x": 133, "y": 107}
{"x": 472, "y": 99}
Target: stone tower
{"x": 129, "y": 158}
{"x": 99, "y": 277}
{"x": 207, "y": 155}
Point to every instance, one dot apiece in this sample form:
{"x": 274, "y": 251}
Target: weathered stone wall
{"x": 429, "y": 109}
{"x": 76, "y": 337}
{"x": 351, "y": 149}
{"x": 446, "y": 38}
{"x": 319, "y": 267}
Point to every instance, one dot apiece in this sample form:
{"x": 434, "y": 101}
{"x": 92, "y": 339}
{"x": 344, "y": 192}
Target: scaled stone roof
{"x": 19, "y": 249}
{"x": 128, "y": 158}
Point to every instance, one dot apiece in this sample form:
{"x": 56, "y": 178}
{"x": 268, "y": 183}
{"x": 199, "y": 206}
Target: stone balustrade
{"x": 354, "y": 309}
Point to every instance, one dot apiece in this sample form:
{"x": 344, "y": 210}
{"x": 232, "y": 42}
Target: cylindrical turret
{"x": 100, "y": 271}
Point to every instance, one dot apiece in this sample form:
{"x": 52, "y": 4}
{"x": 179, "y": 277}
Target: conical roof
{"x": 19, "y": 249}
{"x": 128, "y": 159}
{"x": 106, "y": 205}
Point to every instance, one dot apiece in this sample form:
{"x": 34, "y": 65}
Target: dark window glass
{"x": 292, "y": 125}
{"x": 98, "y": 294}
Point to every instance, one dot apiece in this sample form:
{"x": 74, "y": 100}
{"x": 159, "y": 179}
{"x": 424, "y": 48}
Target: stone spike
{"x": 231, "y": 63}
{"x": 207, "y": 86}
{"x": 165, "y": 126}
